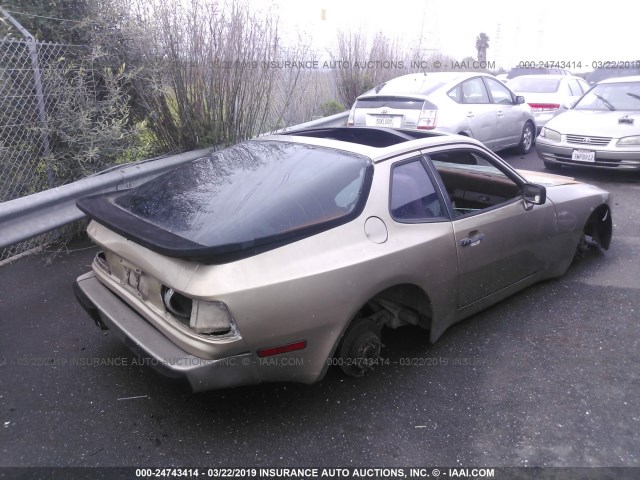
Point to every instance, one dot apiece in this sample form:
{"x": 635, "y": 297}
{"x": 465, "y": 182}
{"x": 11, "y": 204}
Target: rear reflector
{"x": 292, "y": 347}
{"x": 544, "y": 107}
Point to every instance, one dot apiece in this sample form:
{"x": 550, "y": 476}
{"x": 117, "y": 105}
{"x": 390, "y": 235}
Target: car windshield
{"x": 251, "y": 191}
{"x": 611, "y": 97}
{"x": 534, "y": 85}
{"x": 410, "y": 84}
{"x": 604, "y": 73}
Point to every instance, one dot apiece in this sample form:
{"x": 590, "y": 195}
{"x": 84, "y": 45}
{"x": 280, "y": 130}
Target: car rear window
{"x": 409, "y": 84}
{"x": 253, "y": 191}
{"x": 390, "y": 102}
{"x": 534, "y": 85}
{"x": 516, "y": 72}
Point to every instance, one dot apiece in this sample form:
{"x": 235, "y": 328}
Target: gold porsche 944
{"x": 277, "y": 257}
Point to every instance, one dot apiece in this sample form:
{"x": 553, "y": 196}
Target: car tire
{"x": 552, "y": 166}
{"x": 527, "y": 139}
{"x": 360, "y": 347}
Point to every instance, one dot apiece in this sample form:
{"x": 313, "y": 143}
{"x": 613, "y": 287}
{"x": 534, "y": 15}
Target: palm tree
{"x": 482, "y": 43}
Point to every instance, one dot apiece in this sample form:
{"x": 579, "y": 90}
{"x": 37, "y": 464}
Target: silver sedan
{"x": 472, "y": 104}
{"x": 602, "y": 130}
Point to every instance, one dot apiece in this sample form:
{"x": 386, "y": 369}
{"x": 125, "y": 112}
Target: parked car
{"x": 602, "y": 130}
{"x": 472, "y": 104}
{"x": 600, "y": 74}
{"x": 518, "y": 71}
{"x": 275, "y": 258}
{"x": 548, "y": 95}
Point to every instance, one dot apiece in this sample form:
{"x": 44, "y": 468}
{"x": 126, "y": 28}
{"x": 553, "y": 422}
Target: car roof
{"x": 556, "y": 76}
{"x": 404, "y": 142}
{"x": 446, "y": 78}
{"x": 631, "y": 78}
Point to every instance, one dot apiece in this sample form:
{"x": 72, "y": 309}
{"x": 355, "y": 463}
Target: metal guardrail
{"x": 26, "y": 217}
{"x": 29, "y": 216}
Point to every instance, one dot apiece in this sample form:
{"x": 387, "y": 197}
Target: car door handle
{"x": 472, "y": 241}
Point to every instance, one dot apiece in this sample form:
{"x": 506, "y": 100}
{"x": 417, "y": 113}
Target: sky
{"x": 541, "y": 30}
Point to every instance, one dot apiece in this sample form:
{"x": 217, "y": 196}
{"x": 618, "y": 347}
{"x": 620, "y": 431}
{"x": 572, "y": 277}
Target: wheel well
{"x": 599, "y": 226}
{"x": 404, "y": 304}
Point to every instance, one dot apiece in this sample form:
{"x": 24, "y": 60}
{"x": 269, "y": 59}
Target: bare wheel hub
{"x": 582, "y": 247}
{"x": 360, "y": 348}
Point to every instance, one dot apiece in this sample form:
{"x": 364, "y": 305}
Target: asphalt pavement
{"x": 549, "y": 377}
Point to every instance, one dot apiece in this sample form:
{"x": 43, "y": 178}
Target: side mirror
{"x": 533, "y": 194}
{"x": 519, "y": 100}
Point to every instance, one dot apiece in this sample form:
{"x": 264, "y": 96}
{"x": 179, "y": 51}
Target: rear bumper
{"x": 109, "y": 312}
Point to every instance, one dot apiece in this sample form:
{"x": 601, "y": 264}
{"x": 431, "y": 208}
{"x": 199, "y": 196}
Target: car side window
{"x": 473, "y": 183}
{"x": 413, "y": 196}
{"x": 567, "y": 89}
{"x": 499, "y": 93}
{"x": 455, "y": 94}
{"x": 474, "y": 91}
{"x": 584, "y": 86}
{"x": 574, "y": 86}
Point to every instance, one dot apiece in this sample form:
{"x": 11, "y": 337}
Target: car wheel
{"x": 360, "y": 348}
{"x": 552, "y": 166}
{"x": 527, "y": 139}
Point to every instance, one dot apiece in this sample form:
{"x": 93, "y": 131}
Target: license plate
{"x": 384, "y": 121}
{"x": 583, "y": 156}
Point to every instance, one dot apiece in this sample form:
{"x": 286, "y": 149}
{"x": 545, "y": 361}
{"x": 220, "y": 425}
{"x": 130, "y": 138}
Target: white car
{"x": 548, "y": 95}
{"x": 602, "y": 130}
{"x": 467, "y": 103}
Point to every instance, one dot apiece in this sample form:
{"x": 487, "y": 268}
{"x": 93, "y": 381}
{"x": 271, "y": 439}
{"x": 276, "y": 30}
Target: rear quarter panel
{"x": 311, "y": 289}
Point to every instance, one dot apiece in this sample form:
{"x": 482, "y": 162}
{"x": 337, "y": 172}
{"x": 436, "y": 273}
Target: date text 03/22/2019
{"x": 573, "y": 64}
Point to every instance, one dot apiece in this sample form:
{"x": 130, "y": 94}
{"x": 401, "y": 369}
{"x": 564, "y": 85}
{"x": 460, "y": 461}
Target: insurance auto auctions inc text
{"x": 357, "y": 65}
{"x": 375, "y": 472}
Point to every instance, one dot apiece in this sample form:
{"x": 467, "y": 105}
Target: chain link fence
{"x": 41, "y": 87}
{"x": 23, "y": 131}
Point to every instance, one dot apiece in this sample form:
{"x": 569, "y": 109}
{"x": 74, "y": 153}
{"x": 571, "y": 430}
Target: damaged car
{"x": 276, "y": 258}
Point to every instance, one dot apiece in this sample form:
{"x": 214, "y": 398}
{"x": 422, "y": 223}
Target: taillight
{"x": 204, "y": 317}
{"x": 351, "y": 115}
{"x": 428, "y": 119}
{"x": 544, "y": 107}
{"x": 102, "y": 262}
{"x": 176, "y": 303}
